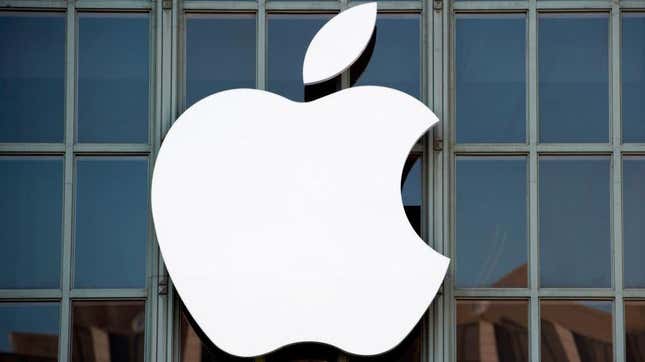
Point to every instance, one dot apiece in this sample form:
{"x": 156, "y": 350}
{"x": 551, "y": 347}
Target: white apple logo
{"x": 282, "y": 222}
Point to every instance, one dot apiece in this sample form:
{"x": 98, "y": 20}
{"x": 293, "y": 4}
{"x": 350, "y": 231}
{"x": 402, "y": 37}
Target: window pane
{"x": 111, "y": 222}
{"x": 492, "y": 330}
{"x": 220, "y": 54}
{"x": 491, "y": 78}
{"x": 108, "y": 331}
{"x": 396, "y": 60}
{"x": 288, "y": 38}
{"x": 29, "y": 332}
{"x": 113, "y": 78}
{"x": 31, "y": 190}
{"x": 491, "y": 218}
{"x": 576, "y": 331}
{"x": 412, "y": 191}
{"x": 633, "y": 77}
{"x": 633, "y": 225}
{"x": 635, "y": 330}
{"x": 32, "y": 72}
{"x": 573, "y": 78}
{"x": 574, "y": 222}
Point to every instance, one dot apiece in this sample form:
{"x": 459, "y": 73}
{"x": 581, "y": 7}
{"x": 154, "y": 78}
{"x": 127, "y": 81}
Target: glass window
{"x": 111, "y": 222}
{"x": 633, "y": 225}
{"x": 32, "y": 72}
{"x": 31, "y": 214}
{"x": 288, "y": 38}
{"x": 412, "y": 190}
{"x": 491, "y": 232}
{"x": 220, "y": 54}
{"x": 29, "y": 332}
{"x": 574, "y": 222}
{"x": 396, "y": 60}
{"x": 635, "y": 330}
{"x": 633, "y": 77}
{"x": 113, "y": 78}
{"x": 492, "y": 330}
{"x": 573, "y": 77}
{"x": 108, "y": 331}
{"x": 575, "y": 330}
{"x": 491, "y": 78}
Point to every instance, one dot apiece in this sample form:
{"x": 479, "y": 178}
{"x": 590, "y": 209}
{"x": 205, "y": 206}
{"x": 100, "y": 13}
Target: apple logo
{"x": 282, "y": 222}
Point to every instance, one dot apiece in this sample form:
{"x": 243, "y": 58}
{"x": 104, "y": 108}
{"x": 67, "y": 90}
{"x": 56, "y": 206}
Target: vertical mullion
{"x": 534, "y": 260}
{"x": 616, "y": 192}
{"x": 261, "y": 44}
{"x": 68, "y": 197}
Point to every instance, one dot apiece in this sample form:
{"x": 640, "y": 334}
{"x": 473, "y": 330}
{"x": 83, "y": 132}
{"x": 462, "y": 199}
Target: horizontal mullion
{"x": 34, "y": 4}
{"x": 32, "y": 148}
{"x": 638, "y": 148}
{"x": 490, "y": 5}
{"x": 107, "y": 293}
{"x": 634, "y": 293}
{"x": 493, "y": 293}
{"x": 492, "y": 148}
{"x": 590, "y": 148}
{"x": 581, "y": 293}
{"x": 220, "y": 5}
{"x": 573, "y": 5}
{"x": 302, "y": 5}
{"x": 30, "y": 294}
{"x": 114, "y": 4}
{"x": 112, "y": 148}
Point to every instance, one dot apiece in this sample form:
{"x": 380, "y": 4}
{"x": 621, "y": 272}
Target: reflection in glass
{"x": 111, "y": 222}
{"x": 576, "y": 331}
{"x": 633, "y": 225}
{"x": 412, "y": 191}
{"x": 635, "y": 330}
{"x": 108, "y": 331}
{"x": 633, "y": 77}
{"x": 574, "y": 222}
{"x": 492, "y": 330}
{"x": 396, "y": 60}
{"x": 491, "y": 230}
{"x": 490, "y": 77}
{"x": 113, "y": 77}
{"x": 29, "y": 332}
{"x": 31, "y": 209}
{"x": 288, "y": 38}
{"x": 573, "y": 77}
{"x": 220, "y": 54}
{"x": 32, "y": 72}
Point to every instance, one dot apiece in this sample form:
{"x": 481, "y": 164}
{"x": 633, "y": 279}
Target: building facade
{"x": 532, "y": 183}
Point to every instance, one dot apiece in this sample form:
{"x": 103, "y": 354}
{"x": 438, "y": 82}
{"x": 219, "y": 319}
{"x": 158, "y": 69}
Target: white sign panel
{"x": 282, "y": 222}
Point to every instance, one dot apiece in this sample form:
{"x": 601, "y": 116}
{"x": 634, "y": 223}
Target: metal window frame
{"x": 439, "y": 150}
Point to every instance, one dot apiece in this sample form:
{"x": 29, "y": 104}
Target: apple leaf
{"x": 339, "y": 43}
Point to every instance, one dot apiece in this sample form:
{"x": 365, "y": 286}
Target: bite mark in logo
{"x": 282, "y": 222}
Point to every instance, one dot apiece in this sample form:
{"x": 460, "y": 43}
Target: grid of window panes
{"x": 75, "y": 145}
{"x": 547, "y": 141}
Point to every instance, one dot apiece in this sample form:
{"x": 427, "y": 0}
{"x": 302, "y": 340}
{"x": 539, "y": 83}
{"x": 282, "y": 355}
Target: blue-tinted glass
{"x": 113, "y": 78}
{"x": 220, "y": 54}
{"x": 111, "y": 222}
{"x": 633, "y": 77}
{"x": 491, "y": 78}
{"x": 32, "y": 72}
{"x": 288, "y": 38}
{"x": 633, "y": 225}
{"x": 396, "y": 60}
{"x": 412, "y": 191}
{"x": 573, "y": 78}
{"x": 574, "y": 222}
{"x": 31, "y": 209}
{"x": 491, "y": 218}
{"x": 29, "y": 332}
